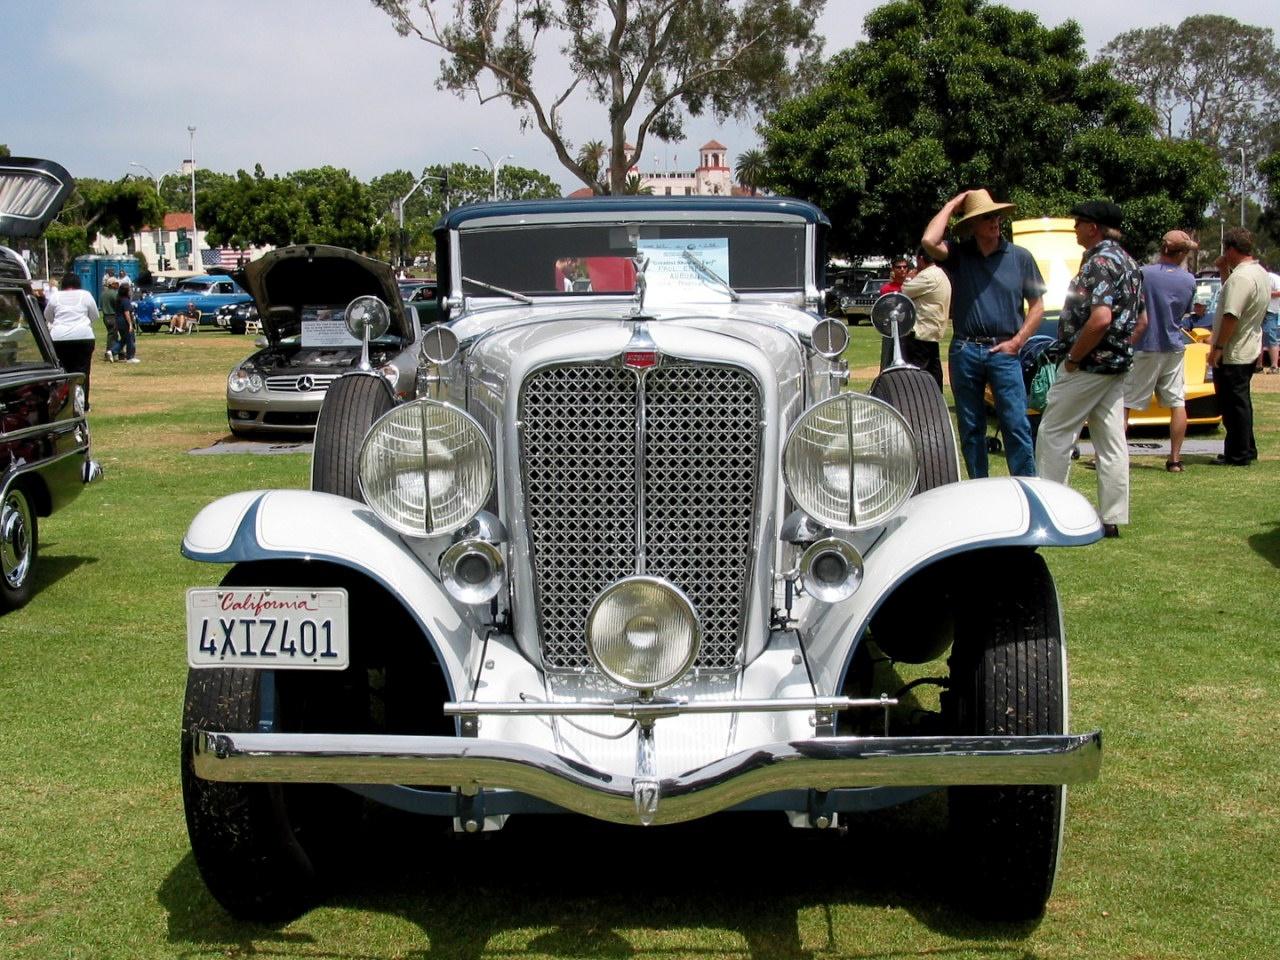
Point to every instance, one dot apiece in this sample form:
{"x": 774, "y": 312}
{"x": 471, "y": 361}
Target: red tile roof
{"x": 174, "y": 221}
{"x": 713, "y": 145}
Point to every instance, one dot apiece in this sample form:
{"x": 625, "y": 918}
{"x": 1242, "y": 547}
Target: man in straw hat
{"x": 1101, "y": 317}
{"x": 1167, "y": 292}
{"x": 991, "y": 279}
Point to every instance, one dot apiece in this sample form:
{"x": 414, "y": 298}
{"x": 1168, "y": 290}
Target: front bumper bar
{"x": 822, "y": 764}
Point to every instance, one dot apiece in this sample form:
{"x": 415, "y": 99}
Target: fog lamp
{"x": 643, "y": 633}
{"x": 831, "y": 570}
{"x": 473, "y": 571}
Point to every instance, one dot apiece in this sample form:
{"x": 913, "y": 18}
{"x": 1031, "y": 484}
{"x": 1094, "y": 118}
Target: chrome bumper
{"x": 823, "y": 764}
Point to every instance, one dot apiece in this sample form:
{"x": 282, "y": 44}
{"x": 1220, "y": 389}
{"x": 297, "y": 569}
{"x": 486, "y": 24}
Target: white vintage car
{"x": 635, "y": 552}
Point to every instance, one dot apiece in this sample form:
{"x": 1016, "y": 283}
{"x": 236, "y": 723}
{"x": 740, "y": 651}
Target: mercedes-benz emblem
{"x": 305, "y": 384}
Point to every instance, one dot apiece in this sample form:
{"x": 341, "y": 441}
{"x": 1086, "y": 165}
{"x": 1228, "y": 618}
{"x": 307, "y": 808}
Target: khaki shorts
{"x": 1158, "y": 373}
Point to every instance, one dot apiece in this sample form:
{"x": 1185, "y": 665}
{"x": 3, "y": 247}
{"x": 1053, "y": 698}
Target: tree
{"x": 751, "y": 168}
{"x": 321, "y": 205}
{"x": 645, "y": 61}
{"x": 1211, "y": 78}
{"x": 950, "y": 94}
{"x": 1270, "y": 172}
{"x": 119, "y": 208}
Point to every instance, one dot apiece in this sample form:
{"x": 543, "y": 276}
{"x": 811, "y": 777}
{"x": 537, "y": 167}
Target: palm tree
{"x": 752, "y": 169}
{"x": 591, "y": 157}
{"x": 636, "y": 186}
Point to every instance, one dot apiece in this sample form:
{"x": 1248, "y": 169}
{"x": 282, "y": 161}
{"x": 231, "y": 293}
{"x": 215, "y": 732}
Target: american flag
{"x": 228, "y": 257}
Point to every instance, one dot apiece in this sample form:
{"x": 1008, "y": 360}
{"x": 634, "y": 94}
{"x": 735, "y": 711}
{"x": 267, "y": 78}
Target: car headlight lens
{"x": 850, "y": 461}
{"x": 426, "y": 468}
{"x": 255, "y": 383}
{"x": 238, "y": 382}
{"x": 643, "y": 633}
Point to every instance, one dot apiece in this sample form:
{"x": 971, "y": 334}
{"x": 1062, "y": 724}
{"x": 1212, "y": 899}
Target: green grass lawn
{"x": 1172, "y": 854}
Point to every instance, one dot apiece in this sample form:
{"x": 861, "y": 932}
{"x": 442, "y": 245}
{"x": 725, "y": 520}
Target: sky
{"x": 304, "y": 83}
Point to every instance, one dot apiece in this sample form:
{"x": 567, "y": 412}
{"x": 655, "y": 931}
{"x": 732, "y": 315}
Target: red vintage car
{"x": 44, "y": 435}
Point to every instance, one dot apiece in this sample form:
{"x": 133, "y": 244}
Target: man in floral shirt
{"x": 1102, "y": 316}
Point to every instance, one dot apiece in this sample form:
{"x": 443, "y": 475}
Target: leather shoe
{"x": 1110, "y": 530}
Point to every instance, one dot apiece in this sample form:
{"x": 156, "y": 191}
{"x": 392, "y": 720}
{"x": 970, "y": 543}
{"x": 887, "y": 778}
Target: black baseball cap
{"x": 1102, "y": 212}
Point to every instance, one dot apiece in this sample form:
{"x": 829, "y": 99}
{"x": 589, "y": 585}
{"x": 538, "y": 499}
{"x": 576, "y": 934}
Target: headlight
{"x": 426, "y": 468}
{"x": 643, "y": 633}
{"x": 850, "y": 461}
{"x": 242, "y": 379}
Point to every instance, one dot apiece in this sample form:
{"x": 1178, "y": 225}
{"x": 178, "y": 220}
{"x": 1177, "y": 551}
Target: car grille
{"x": 316, "y": 383}
{"x": 701, "y": 474}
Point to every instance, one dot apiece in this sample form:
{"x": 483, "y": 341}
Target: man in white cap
{"x": 1167, "y": 291}
{"x": 991, "y": 279}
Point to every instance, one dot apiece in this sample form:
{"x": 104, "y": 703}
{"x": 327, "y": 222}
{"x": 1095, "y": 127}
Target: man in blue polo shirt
{"x": 991, "y": 279}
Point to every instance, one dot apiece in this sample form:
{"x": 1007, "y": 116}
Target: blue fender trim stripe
{"x": 1041, "y": 532}
{"x": 244, "y": 547}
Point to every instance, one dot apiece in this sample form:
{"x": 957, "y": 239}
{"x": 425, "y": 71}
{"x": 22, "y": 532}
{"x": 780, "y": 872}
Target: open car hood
{"x": 316, "y": 275}
{"x": 31, "y": 194}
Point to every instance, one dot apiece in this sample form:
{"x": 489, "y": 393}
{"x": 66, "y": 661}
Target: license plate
{"x": 266, "y": 628}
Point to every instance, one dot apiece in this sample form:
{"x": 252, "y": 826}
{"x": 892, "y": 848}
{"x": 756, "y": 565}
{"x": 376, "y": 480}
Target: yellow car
{"x": 1052, "y": 241}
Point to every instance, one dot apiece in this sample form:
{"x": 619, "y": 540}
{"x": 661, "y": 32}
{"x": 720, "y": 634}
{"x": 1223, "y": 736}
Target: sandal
{"x": 1173, "y": 466}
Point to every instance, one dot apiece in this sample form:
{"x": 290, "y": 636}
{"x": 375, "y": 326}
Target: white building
{"x": 710, "y": 178}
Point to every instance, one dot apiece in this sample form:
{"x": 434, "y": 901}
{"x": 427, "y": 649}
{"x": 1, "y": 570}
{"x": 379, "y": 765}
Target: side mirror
{"x": 261, "y": 341}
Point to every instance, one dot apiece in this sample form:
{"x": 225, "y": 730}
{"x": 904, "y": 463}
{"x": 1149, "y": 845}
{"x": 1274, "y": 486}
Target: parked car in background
{"x": 207, "y": 292}
{"x": 237, "y": 317}
{"x": 857, "y": 303}
{"x": 44, "y": 434}
{"x": 630, "y": 550}
{"x": 300, "y": 295}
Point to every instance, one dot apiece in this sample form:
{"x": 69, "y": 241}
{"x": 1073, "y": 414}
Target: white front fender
{"x": 304, "y": 525}
{"x": 943, "y": 522}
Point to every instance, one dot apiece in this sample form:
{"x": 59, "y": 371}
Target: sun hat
{"x": 1176, "y": 241}
{"x": 1102, "y": 212}
{"x": 978, "y": 203}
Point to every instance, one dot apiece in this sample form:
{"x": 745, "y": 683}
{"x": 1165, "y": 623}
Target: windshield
{"x": 585, "y": 259}
{"x": 190, "y": 287}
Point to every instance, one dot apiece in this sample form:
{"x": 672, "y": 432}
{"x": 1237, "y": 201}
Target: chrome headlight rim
{"x": 695, "y": 646}
{"x": 842, "y": 523}
{"x": 481, "y": 500}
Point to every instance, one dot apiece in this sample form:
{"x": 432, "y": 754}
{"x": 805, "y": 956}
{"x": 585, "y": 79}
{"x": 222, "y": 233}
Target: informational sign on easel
{"x": 682, "y": 269}
{"x": 325, "y": 327}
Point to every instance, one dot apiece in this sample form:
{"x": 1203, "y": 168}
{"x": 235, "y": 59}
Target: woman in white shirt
{"x": 70, "y": 314}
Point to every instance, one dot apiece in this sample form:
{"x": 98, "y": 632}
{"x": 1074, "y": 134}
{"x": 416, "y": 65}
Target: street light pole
{"x": 496, "y": 165}
{"x": 195, "y": 234}
{"x": 400, "y": 210}
{"x": 1247, "y": 143}
{"x": 156, "y": 180}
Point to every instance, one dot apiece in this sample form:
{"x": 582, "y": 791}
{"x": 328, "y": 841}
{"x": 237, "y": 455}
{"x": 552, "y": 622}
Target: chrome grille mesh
{"x": 701, "y": 472}
{"x": 317, "y": 383}
{"x": 701, "y": 462}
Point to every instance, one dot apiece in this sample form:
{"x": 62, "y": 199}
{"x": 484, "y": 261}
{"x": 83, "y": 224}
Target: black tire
{"x": 915, "y": 395}
{"x": 351, "y": 405}
{"x": 265, "y": 850}
{"x": 1008, "y": 677}
{"x": 19, "y": 544}
{"x": 241, "y": 834}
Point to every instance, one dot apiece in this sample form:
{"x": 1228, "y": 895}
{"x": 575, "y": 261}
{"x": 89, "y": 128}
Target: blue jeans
{"x": 972, "y": 366}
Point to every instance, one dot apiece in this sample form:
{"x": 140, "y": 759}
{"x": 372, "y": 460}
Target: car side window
{"x": 19, "y": 346}
{"x": 224, "y": 288}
